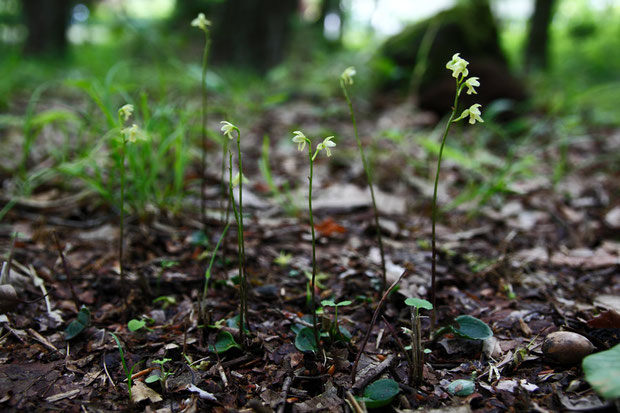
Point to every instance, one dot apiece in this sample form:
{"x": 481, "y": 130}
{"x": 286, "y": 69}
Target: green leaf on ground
{"x": 224, "y": 342}
{"x": 461, "y": 387}
{"x": 472, "y": 328}
{"x": 418, "y": 303}
{"x": 305, "y": 340}
{"x": 78, "y": 325}
{"x": 602, "y": 371}
{"x": 380, "y": 393}
{"x": 135, "y": 325}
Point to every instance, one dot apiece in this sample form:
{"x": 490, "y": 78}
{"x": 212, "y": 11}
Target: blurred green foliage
{"x": 64, "y": 107}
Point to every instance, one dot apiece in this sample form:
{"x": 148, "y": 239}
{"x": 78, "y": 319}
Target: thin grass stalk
{"x": 122, "y": 217}
{"x": 244, "y": 280}
{"x": 203, "y": 159}
{"x": 370, "y": 186}
{"x": 313, "y": 286}
{"x": 239, "y": 236}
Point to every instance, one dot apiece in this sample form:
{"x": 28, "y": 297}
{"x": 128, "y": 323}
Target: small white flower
{"x": 228, "y": 128}
{"x": 300, "y": 139}
{"x": 471, "y": 83}
{"x": 235, "y": 180}
{"x": 326, "y": 144}
{"x": 473, "y": 112}
{"x": 458, "y": 66}
{"x": 125, "y": 111}
{"x": 347, "y": 75}
{"x": 201, "y": 22}
{"x": 134, "y": 134}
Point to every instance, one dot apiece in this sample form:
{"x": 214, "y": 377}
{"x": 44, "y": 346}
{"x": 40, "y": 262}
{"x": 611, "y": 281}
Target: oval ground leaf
{"x": 472, "y": 328}
{"x": 305, "y": 340}
{"x": 224, "y": 342}
{"x": 602, "y": 371}
{"x": 380, "y": 393}
{"x": 461, "y": 387}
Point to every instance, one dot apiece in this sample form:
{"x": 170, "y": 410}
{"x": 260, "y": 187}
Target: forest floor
{"x": 545, "y": 257}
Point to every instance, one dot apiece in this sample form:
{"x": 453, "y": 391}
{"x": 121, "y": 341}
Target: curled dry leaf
{"x": 607, "y": 319}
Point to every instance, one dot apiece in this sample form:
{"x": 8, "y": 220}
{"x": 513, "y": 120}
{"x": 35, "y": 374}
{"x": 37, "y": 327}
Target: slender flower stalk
{"x": 131, "y": 135}
{"x": 203, "y": 24}
{"x": 460, "y": 73}
{"x": 301, "y": 140}
{"x": 228, "y": 129}
{"x": 347, "y": 79}
{"x": 124, "y": 113}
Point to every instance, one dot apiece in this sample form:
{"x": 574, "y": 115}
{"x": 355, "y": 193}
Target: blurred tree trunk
{"x": 252, "y": 33}
{"x": 536, "y": 52}
{"x": 47, "y": 22}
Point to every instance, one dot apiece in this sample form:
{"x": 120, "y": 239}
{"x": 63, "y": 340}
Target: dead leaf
{"x": 201, "y": 393}
{"x": 140, "y": 391}
{"x": 329, "y": 401}
{"x": 66, "y": 395}
{"x": 585, "y": 258}
{"x": 350, "y": 196}
{"x": 607, "y": 319}
{"x": 329, "y": 227}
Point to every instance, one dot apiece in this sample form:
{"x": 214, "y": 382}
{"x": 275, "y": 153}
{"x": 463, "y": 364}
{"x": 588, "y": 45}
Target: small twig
{"x": 285, "y": 388}
{"x": 238, "y": 360}
{"x": 38, "y": 337}
{"x": 398, "y": 342}
{"x": 354, "y": 404}
{"x": 41, "y": 285}
{"x": 220, "y": 369}
{"x": 372, "y": 371}
{"x": 372, "y": 323}
{"x": 76, "y": 301}
{"x": 105, "y": 368}
{"x": 143, "y": 373}
{"x": 185, "y": 336}
{"x": 379, "y": 338}
{"x": 557, "y": 309}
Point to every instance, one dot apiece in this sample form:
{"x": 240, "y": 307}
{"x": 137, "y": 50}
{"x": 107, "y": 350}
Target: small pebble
{"x": 565, "y": 347}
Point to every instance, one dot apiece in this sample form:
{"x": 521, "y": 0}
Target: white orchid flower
{"x": 201, "y": 22}
{"x": 458, "y": 66}
{"x": 347, "y": 75}
{"x": 300, "y": 139}
{"x": 228, "y": 129}
{"x": 473, "y": 112}
{"x": 471, "y": 83}
{"x": 125, "y": 111}
{"x": 326, "y": 144}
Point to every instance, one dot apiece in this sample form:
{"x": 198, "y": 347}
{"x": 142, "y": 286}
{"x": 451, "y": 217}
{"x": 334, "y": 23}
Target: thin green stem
{"x": 242, "y": 242}
{"x": 434, "y": 205}
{"x": 313, "y": 286}
{"x": 370, "y": 186}
{"x": 208, "y": 271}
{"x": 224, "y": 191}
{"x": 122, "y": 217}
{"x": 242, "y": 292}
{"x": 203, "y": 160}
